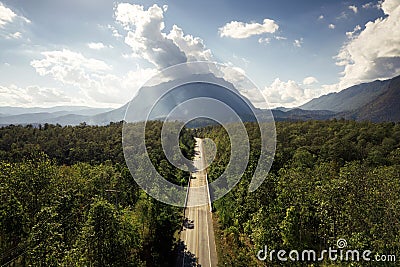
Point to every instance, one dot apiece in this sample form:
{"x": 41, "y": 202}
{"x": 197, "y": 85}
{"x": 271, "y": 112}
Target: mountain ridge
{"x": 348, "y": 99}
{"x": 375, "y": 101}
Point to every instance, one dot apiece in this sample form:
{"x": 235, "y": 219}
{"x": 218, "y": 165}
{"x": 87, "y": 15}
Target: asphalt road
{"x": 197, "y": 236}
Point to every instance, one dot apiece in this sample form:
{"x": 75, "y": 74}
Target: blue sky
{"x": 99, "y": 52}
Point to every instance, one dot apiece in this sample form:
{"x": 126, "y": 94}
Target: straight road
{"x": 197, "y": 236}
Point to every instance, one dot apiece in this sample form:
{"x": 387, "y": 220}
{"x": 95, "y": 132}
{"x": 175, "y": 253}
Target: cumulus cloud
{"x": 331, "y": 26}
{"x": 146, "y": 36}
{"x": 58, "y": 63}
{"x": 193, "y": 47}
{"x": 293, "y": 94}
{"x": 31, "y": 95}
{"x": 93, "y": 77}
{"x": 321, "y": 17}
{"x": 353, "y": 8}
{"x": 310, "y": 80}
{"x": 287, "y": 93}
{"x": 240, "y": 30}
{"x": 389, "y": 6}
{"x": 375, "y": 52}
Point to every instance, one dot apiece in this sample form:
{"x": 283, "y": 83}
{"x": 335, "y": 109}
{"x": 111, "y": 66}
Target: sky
{"x": 98, "y": 53}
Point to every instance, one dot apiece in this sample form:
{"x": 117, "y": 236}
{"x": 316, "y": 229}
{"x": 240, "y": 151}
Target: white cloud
{"x": 353, "y": 8}
{"x": 264, "y": 40}
{"x": 193, "y": 47}
{"x": 15, "y": 35}
{"x": 58, "y": 63}
{"x": 146, "y": 37}
{"x": 292, "y": 94}
{"x": 165, "y": 8}
{"x": 372, "y": 5}
{"x": 31, "y": 96}
{"x": 375, "y": 52}
{"x": 114, "y": 31}
{"x": 93, "y": 77}
{"x": 310, "y": 80}
{"x": 298, "y": 42}
{"x": 321, "y": 17}
{"x": 331, "y": 26}
{"x": 96, "y": 46}
{"x": 233, "y": 74}
{"x": 352, "y": 33}
{"x": 390, "y": 6}
{"x": 367, "y": 5}
{"x": 284, "y": 93}
{"x": 342, "y": 15}
{"x": 279, "y": 38}
{"x": 267, "y": 40}
{"x": 8, "y": 16}
{"x": 240, "y": 30}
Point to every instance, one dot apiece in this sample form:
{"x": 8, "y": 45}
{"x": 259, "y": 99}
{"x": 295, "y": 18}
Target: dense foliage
{"x": 329, "y": 180}
{"x": 67, "y": 198}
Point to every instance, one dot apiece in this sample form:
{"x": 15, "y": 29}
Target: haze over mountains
{"x": 64, "y": 115}
{"x": 375, "y": 101}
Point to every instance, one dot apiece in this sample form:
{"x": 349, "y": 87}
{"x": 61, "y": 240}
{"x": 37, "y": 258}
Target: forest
{"x": 68, "y": 198}
{"x": 330, "y": 180}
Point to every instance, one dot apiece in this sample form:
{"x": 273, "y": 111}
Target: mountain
{"x": 158, "y": 101}
{"x": 297, "y": 114}
{"x": 376, "y": 101}
{"x": 105, "y": 118}
{"x": 81, "y": 110}
{"x": 385, "y": 107}
{"x": 282, "y": 109}
{"x": 179, "y": 91}
{"x": 348, "y": 99}
{"x": 64, "y": 115}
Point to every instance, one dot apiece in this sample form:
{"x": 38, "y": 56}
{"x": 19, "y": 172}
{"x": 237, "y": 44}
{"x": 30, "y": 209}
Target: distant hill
{"x": 64, "y": 115}
{"x": 105, "y": 118}
{"x": 81, "y": 110}
{"x": 348, "y": 99}
{"x": 297, "y": 114}
{"x": 375, "y": 101}
{"x": 385, "y": 107}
